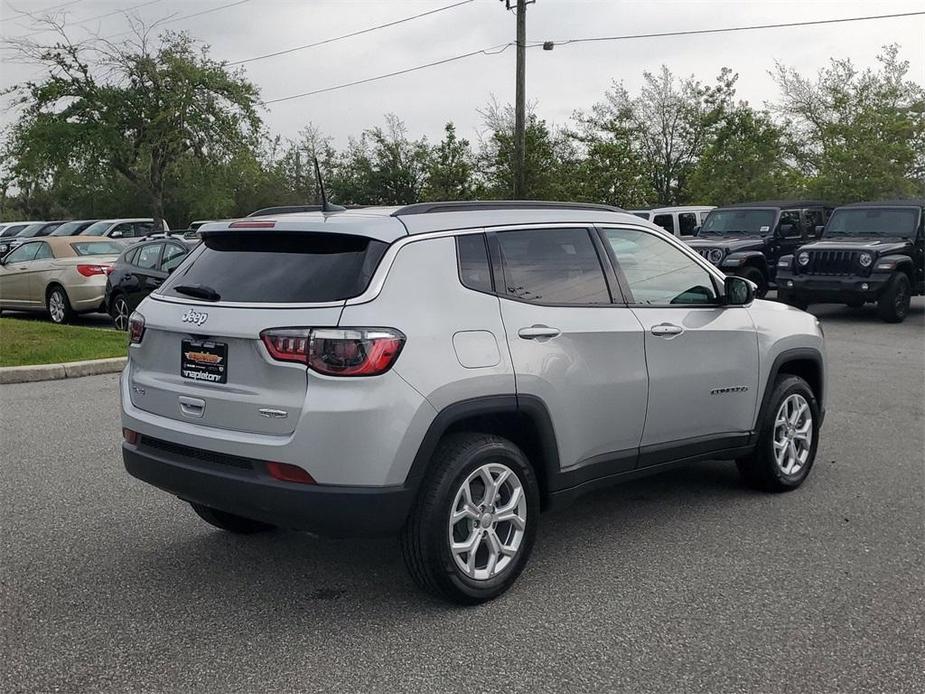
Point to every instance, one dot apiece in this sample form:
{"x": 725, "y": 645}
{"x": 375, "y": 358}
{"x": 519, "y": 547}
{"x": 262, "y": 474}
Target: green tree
{"x": 857, "y": 134}
{"x": 450, "y": 169}
{"x": 131, "y": 108}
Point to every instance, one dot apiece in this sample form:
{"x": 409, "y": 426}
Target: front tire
{"x": 229, "y": 521}
{"x": 59, "y": 306}
{"x": 473, "y": 525}
{"x": 787, "y": 438}
{"x": 755, "y": 275}
{"x": 893, "y": 305}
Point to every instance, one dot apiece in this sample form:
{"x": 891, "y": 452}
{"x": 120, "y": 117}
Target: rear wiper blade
{"x": 199, "y": 291}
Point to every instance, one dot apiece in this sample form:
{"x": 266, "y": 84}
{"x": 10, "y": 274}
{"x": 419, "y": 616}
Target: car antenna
{"x": 325, "y": 205}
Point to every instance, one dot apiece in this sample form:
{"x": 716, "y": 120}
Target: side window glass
{"x": 665, "y": 222}
{"x": 474, "y": 270}
{"x": 130, "y": 256}
{"x": 143, "y": 228}
{"x": 148, "y": 256}
{"x": 552, "y": 266}
{"x": 23, "y": 254}
{"x": 789, "y": 224}
{"x": 686, "y": 222}
{"x": 44, "y": 251}
{"x": 173, "y": 256}
{"x": 126, "y": 230}
{"x": 658, "y": 274}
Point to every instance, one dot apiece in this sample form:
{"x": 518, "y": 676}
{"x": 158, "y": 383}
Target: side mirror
{"x": 738, "y": 291}
{"x": 819, "y": 229}
{"x": 695, "y": 231}
{"x": 116, "y": 234}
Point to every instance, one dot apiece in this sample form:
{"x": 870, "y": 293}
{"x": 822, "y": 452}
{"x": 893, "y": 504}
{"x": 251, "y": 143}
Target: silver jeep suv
{"x": 445, "y": 371}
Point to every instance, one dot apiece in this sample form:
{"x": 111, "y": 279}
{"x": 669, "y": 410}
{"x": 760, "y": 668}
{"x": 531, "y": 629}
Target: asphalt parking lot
{"x": 682, "y": 582}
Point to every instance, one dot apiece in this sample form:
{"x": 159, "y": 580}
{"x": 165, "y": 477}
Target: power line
{"x": 189, "y": 16}
{"x": 351, "y": 34}
{"x": 46, "y": 9}
{"x": 102, "y": 16}
{"x": 742, "y": 28}
{"x": 503, "y": 47}
{"x": 484, "y": 51}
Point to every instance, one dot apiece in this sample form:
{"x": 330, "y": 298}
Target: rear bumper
{"x": 243, "y": 487}
{"x": 836, "y": 289}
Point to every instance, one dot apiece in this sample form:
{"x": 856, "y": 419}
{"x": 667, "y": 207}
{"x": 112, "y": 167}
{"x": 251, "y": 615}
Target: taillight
{"x": 136, "y": 328}
{"x": 90, "y": 270}
{"x": 336, "y": 351}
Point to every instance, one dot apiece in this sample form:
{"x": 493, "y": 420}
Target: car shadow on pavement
{"x": 838, "y": 313}
{"x": 87, "y": 320}
{"x": 284, "y": 570}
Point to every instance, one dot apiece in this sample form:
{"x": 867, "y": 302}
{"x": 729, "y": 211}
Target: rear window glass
{"x": 297, "y": 267}
{"x": 474, "y": 270}
{"x": 100, "y": 248}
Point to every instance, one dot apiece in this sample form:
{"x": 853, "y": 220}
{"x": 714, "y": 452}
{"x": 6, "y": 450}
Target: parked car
{"x": 33, "y": 231}
{"x": 868, "y": 252}
{"x": 61, "y": 275}
{"x": 444, "y": 371}
{"x": 139, "y": 270}
{"x": 680, "y": 221}
{"x": 73, "y": 228}
{"x": 747, "y": 239}
{"x": 8, "y": 231}
{"x": 129, "y": 229}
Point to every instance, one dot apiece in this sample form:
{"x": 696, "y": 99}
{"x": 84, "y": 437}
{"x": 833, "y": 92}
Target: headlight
{"x": 715, "y": 255}
{"x": 803, "y": 258}
{"x": 865, "y": 259}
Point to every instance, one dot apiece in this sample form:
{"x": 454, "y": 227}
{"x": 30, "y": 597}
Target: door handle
{"x": 192, "y": 407}
{"x": 667, "y": 330}
{"x": 538, "y": 331}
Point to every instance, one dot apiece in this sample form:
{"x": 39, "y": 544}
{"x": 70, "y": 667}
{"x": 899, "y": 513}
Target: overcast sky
{"x": 569, "y": 77}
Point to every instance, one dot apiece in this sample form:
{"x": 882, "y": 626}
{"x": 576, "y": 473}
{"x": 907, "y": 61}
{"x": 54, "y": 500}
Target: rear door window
{"x": 552, "y": 266}
{"x": 149, "y": 256}
{"x": 686, "y": 223}
{"x": 280, "y": 267}
{"x": 665, "y": 222}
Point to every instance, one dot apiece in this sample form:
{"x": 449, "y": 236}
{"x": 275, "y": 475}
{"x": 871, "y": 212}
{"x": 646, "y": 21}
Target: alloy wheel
{"x": 120, "y": 313}
{"x": 793, "y": 434}
{"x": 487, "y": 521}
{"x": 56, "y": 306}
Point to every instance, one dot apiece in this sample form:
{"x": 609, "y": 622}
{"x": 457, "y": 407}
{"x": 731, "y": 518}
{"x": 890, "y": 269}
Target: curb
{"x": 52, "y": 372}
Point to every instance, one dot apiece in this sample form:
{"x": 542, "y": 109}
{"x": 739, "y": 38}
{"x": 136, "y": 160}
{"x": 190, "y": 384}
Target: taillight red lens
{"x": 289, "y": 473}
{"x": 136, "y": 328}
{"x": 337, "y": 351}
{"x": 90, "y": 270}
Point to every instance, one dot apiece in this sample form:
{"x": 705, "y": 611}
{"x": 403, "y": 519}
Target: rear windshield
{"x": 279, "y": 268}
{"x": 100, "y": 248}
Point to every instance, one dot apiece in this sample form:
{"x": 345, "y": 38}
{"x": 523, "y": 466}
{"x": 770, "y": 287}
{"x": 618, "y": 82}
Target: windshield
{"x": 97, "y": 248}
{"x": 30, "y": 230}
{"x": 873, "y": 221}
{"x": 98, "y": 229}
{"x": 70, "y": 228}
{"x": 13, "y": 230}
{"x": 743, "y": 221}
{"x": 644, "y": 215}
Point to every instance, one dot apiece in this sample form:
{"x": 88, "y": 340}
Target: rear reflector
{"x": 130, "y": 436}
{"x": 289, "y": 473}
{"x": 336, "y": 351}
{"x": 90, "y": 270}
{"x": 252, "y": 225}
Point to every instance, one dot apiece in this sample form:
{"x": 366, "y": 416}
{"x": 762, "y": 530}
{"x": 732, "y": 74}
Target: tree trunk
{"x": 157, "y": 210}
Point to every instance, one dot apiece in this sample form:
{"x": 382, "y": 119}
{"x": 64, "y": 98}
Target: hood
{"x": 731, "y": 244}
{"x": 877, "y": 245}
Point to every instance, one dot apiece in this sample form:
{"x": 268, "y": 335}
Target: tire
{"x": 458, "y": 465}
{"x": 755, "y": 275}
{"x": 893, "y": 305}
{"x": 792, "y": 299}
{"x": 763, "y": 469}
{"x": 229, "y": 521}
{"x": 119, "y": 312}
{"x": 59, "y": 306}
{"x": 855, "y": 303}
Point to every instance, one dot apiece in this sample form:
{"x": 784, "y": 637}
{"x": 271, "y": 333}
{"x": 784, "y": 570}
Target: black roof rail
{"x": 476, "y": 205}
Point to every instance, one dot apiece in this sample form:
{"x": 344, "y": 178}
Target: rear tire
{"x": 59, "y": 306}
{"x": 500, "y": 525}
{"x": 787, "y": 438}
{"x": 893, "y": 305}
{"x": 229, "y": 521}
{"x": 119, "y": 312}
{"x": 755, "y": 275}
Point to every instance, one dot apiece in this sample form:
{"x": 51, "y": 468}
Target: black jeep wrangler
{"x": 747, "y": 239}
{"x": 868, "y": 252}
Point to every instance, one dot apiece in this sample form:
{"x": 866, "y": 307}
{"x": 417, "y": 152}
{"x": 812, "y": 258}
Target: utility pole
{"x": 520, "y": 97}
